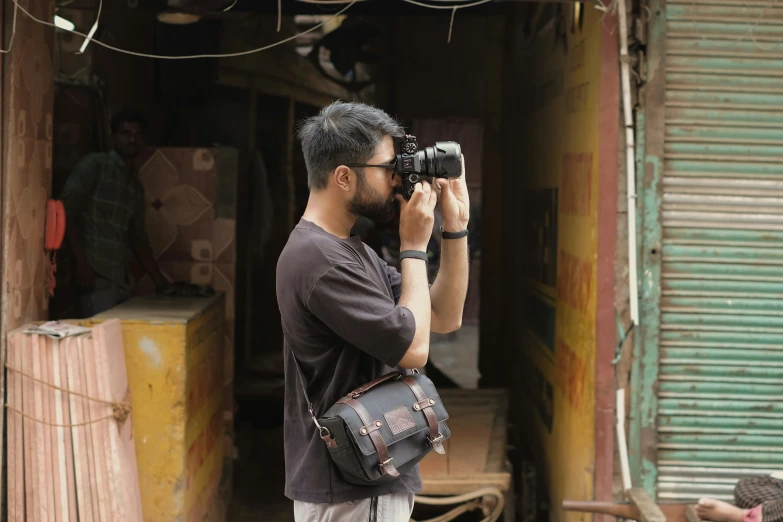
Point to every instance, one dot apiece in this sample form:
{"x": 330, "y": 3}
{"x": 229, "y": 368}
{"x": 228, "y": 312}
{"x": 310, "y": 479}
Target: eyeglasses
{"x": 388, "y": 166}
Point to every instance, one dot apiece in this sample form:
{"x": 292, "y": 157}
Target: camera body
{"x": 444, "y": 160}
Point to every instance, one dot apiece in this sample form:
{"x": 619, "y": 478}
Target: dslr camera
{"x": 444, "y": 160}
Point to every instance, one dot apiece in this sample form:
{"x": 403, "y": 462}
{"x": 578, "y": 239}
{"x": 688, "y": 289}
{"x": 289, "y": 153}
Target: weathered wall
{"x": 26, "y": 168}
{"x": 27, "y": 160}
{"x": 560, "y": 115}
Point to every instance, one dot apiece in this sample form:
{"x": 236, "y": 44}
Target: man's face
{"x": 374, "y": 196}
{"x": 129, "y": 139}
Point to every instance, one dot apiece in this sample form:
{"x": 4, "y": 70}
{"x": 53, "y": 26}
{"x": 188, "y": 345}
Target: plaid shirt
{"x": 105, "y": 197}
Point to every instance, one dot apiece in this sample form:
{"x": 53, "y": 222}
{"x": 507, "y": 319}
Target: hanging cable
{"x": 194, "y": 56}
{"x": 13, "y": 31}
{"x": 89, "y": 37}
{"x": 451, "y": 24}
{"x": 462, "y": 6}
{"x": 94, "y": 28}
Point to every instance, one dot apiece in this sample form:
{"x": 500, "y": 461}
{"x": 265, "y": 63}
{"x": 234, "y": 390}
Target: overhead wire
{"x": 13, "y": 32}
{"x": 92, "y": 30}
{"x": 193, "y": 56}
{"x": 88, "y": 37}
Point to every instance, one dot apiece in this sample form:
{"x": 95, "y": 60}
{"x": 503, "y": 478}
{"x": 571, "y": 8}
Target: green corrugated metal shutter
{"x": 721, "y": 350}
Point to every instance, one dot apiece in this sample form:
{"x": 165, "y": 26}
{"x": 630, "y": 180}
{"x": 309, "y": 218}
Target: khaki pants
{"x": 388, "y": 508}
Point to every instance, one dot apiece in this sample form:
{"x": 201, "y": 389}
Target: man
{"x": 104, "y": 207}
{"x": 348, "y": 316}
{"x": 758, "y": 499}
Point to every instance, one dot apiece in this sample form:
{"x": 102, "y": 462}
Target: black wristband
{"x": 453, "y": 235}
{"x": 414, "y": 254}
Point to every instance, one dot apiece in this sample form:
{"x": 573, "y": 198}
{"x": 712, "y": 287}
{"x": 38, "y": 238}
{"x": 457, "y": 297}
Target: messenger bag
{"x": 382, "y": 429}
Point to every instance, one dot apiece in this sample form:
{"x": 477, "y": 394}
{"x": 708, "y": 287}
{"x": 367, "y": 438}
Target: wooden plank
{"x": 31, "y": 495}
{"x": 21, "y": 450}
{"x": 81, "y": 468}
{"x": 43, "y": 450}
{"x": 98, "y": 431}
{"x": 70, "y": 469}
{"x": 87, "y": 430}
{"x": 626, "y": 511}
{"x": 11, "y": 422}
{"x": 648, "y": 509}
{"x": 66, "y": 501}
{"x": 470, "y": 438}
{"x": 113, "y": 475}
{"x": 57, "y": 476}
{"x": 110, "y": 361}
{"x": 435, "y": 465}
{"x": 456, "y": 485}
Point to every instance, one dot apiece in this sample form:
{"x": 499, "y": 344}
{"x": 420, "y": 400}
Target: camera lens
{"x": 444, "y": 160}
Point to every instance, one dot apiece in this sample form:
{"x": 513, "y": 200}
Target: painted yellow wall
{"x": 559, "y": 182}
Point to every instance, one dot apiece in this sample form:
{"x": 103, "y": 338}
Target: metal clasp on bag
{"x": 436, "y": 440}
{"x": 388, "y": 461}
{"x": 322, "y": 430}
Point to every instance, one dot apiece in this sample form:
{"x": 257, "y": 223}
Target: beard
{"x": 371, "y": 205}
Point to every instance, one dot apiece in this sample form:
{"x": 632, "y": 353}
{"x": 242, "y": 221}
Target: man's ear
{"x": 344, "y": 178}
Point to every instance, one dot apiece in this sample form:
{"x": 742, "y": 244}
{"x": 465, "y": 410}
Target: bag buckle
{"x": 387, "y": 461}
{"x": 436, "y": 440}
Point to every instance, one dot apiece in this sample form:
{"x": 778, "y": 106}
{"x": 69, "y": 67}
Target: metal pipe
{"x": 625, "y": 76}
{"x": 622, "y": 447}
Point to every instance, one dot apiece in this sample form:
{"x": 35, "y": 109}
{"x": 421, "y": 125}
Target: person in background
{"x": 104, "y": 207}
{"x": 758, "y": 499}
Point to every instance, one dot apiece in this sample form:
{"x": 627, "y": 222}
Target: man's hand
{"x": 416, "y": 217}
{"x": 454, "y": 202}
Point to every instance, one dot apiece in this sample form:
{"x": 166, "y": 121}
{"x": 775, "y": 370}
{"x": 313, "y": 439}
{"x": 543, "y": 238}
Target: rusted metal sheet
{"x": 642, "y": 441}
{"x": 720, "y": 388}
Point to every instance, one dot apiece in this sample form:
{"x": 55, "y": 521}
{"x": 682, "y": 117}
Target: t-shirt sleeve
{"x": 395, "y": 280}
{"x": 352, "y": 305}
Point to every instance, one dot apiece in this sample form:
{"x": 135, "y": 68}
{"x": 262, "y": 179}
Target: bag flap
{"x": 392, "y": 404}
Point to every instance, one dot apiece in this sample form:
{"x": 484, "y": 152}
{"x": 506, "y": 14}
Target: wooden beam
{"x": 648, "y": 509}
{"x": 452, "y": 485}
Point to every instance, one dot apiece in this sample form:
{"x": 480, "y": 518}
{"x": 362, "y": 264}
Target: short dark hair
{"x": 128, "y": 115}
{"x": 342, "y": 133}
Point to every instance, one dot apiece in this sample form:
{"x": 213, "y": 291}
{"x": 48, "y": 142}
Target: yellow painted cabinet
{"x": 173, "y": 352}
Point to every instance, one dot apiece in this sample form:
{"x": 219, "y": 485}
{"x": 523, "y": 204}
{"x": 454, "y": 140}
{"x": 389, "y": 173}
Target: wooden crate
{"x": 476, "y": 452}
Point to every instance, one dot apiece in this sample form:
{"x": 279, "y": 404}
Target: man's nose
{"x": 396, "y": 179}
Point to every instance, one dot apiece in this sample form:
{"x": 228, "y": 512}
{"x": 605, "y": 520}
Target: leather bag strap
{"x": 326, "y": 436}
{"x": 384, "y": 459}
{"x": 304, "y": 388}
{"x": 425, "y": 405}
{"x": 372, "y": 384}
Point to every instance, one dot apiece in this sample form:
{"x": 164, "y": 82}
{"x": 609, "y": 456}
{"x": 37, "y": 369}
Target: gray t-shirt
{"x": 338, "y": 307}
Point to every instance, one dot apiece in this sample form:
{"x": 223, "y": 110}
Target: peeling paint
{"x": 150, "y": 349}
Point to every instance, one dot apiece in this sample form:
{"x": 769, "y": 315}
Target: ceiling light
{"x": 62, "y": 23}
{"x": 178, "y": 17}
